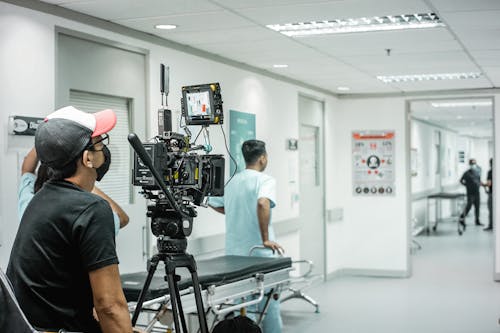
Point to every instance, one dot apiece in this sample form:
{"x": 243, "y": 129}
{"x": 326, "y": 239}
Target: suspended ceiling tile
{"x": 333, "y": 10}
{"x": 405, "y": 64}
{"x": 219, "y": 40}
{"x": 487, "y": 58}
{"x": 480, "y": 39}
{"x": 473, "y": 20}
{"x": 190, "y": 22}
{"x": 493, "y": 74}
{"x": 376, "y": 43}
{"x": 245, "y": 4}
{"x": 465, "y": 5}
{"x": 118, "y": 10}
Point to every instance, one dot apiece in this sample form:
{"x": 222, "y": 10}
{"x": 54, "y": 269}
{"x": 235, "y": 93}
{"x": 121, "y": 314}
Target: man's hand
{"x": 138, "y": 330}
{"x": 274, "y": 246}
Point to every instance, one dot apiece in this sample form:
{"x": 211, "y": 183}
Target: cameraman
{"x": 247, "y": 204}
{"x": 63, "y": 262}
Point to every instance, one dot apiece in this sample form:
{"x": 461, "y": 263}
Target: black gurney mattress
{"x": 215, "y": 271}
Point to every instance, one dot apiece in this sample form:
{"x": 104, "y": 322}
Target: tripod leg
{"x": 142, "y": 295}
{"x": 199, "y": 303}
{"x": 173, "y": 300}
{"x": 179, "y": 305}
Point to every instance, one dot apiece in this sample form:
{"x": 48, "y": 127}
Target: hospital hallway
{"x": 451, "y": 290}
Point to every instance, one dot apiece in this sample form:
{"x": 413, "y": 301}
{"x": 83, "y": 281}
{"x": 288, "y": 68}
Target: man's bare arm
{"x": 109, "y": 301}
{"x": 264, "y": 215}
{"x": 30, "y": 162}
{"x": 124, "y": 219}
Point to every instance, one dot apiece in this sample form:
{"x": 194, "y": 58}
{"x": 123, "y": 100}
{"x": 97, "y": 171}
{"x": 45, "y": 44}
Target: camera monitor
{"x": 202, "y": 104}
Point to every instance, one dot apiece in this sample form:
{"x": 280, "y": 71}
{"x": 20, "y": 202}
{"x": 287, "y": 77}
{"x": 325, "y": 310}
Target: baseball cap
{"x": 66, "y": 132}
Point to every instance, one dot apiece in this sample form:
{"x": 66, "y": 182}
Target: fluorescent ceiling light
{"x": 427, "y": 77}
{"x": 363, "y": 24}
{"x": 280, "y": 66}
{"x": 460, "y": 104}
{"x": 165, "y": 26}
{"x": 343, "y": 88}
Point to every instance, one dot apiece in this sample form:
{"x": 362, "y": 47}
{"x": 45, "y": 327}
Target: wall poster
{"x": 241, "y": 128}
{"x": 373, "y": 169}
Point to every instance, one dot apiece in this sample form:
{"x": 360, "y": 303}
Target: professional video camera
{"x": 189, "y": 176}
{"x": 176, "y": 179}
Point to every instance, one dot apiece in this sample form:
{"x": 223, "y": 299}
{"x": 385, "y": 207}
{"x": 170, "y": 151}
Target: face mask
{"x": 101, "y": 171}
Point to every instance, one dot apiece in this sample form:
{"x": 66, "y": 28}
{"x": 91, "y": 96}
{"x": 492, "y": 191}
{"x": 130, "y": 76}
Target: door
{"x": 92, "y": 75}
{"x": 312, "y": 217}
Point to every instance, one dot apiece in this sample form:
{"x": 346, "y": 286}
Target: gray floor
{"x": 451, "y": 290}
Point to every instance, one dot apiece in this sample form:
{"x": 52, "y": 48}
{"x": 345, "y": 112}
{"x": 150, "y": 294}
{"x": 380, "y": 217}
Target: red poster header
{"x": 359, "y": 136}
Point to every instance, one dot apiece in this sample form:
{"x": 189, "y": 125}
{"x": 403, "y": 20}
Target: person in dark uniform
{"x": 488, "y": 186}
{"x": 63, "y": 262}
{"x": 471, "y": 179}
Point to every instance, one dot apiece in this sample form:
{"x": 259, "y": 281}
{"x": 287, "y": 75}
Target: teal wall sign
{"x": 242, "y": 128}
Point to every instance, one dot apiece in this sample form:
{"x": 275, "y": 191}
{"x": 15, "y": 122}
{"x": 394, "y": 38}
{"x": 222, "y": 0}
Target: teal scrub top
{"x": 240, "y": 207}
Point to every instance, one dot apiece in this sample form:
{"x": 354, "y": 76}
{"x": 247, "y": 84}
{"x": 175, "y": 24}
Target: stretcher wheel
{"x": 460, "y": 232}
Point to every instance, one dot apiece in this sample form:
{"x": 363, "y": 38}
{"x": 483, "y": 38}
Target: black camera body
{"x": 195, "y": 175}
{"x": 176, "y": 178}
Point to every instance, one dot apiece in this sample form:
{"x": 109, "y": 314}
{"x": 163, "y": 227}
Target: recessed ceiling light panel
{"x": 459, "y": 104}
{"x": 343, "y": 88}
{"x": 165, "y": 26}
{"x": 280, "y": 66}
{"x": 363, "y": 24}
{"x": 427, "y": 77}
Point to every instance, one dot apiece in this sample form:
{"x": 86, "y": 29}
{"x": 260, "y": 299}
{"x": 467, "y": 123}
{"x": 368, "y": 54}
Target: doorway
{"x": 94, "y": 74}
{"x": 312, "y": 189}
{"x": 445, "y": 134}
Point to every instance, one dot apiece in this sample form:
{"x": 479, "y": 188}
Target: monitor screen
{"x": 198, "y": 104}
{"x": 202, "y": 104}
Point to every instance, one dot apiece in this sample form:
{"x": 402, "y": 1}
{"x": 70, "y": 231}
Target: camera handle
{"x": 146, "y": 159}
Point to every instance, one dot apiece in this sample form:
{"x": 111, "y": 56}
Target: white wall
{"x": 372, "y": 238}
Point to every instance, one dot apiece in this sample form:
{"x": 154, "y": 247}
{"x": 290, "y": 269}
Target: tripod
{"x": 173, "y": 254}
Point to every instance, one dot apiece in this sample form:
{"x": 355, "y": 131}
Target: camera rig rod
{"x": 139, "y": 149}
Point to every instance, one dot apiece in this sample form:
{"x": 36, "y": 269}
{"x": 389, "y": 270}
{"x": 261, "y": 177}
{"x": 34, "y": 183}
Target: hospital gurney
{"x": 228, "y": 283}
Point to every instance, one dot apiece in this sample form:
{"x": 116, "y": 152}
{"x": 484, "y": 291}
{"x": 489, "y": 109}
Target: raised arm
{"x": 124, "y": 219}
{"x": 30, "y": 162}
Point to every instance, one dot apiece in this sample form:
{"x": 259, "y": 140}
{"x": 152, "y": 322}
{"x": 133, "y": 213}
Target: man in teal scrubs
{"x": 247, "y": 203}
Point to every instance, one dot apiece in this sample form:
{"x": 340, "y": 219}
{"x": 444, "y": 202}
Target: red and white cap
{"x": 67, "y": 132}
{"x": 99, "y": 123}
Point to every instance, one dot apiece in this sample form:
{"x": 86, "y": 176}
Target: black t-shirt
{"x": 490, "y": 178}
{"x": 64, "y": 233}
{"x": 471, "y": 180}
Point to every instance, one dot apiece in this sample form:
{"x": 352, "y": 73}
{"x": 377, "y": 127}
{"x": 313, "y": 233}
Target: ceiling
{"x": 236, "y": 29}
{"x": 467, "y": 117}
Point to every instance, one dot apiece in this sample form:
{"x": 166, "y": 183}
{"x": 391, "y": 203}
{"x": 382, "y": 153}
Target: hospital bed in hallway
{"x": 228, "y": 283}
